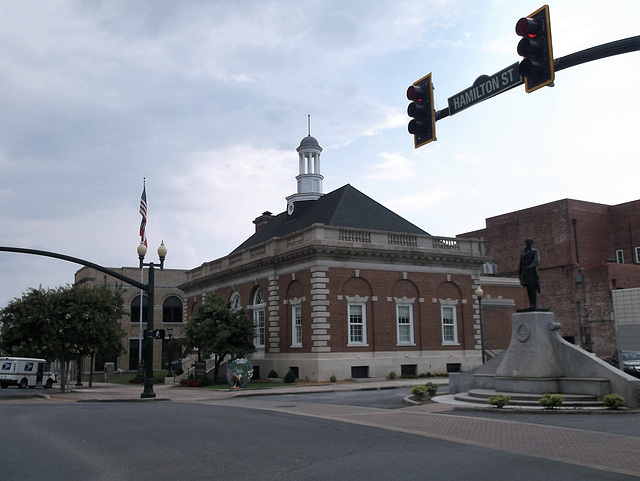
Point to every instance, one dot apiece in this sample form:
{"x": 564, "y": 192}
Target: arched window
{"x": 135, "y": 309}
{"x": 172, "y": 309}
{"x": 259, "y": 320}
{"x": 235, "y": 302}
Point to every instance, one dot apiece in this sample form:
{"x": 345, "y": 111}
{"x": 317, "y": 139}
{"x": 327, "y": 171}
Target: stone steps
{"x": 481, "y": 396}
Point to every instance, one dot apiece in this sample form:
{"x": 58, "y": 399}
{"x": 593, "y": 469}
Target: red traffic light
{"x": 527, "y": 27}
{"x": 535, "y": 46}
{"x": 416, "y": 93}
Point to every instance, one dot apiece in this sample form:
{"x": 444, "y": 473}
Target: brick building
{"x": 586, "y": 249}
{"x": 169, "y": 313}
{"x": 340, "y": 285}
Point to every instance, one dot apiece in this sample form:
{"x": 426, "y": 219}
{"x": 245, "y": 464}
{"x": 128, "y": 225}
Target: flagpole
{"x": 143, "y": 240}
{"x": 141, "y": 302}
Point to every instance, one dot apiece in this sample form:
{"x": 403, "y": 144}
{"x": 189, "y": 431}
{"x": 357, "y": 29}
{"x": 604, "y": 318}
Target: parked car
{"x": 630, "y": 362}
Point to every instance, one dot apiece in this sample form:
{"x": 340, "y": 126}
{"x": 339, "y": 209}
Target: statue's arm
{"x": 536, "y": 259}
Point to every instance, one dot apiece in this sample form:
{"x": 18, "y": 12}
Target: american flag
{"x": 143, "y": 212}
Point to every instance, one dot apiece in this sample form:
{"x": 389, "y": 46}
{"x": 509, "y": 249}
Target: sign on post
{"x": 200, "y": 369}
{"x": 485, "y": 87}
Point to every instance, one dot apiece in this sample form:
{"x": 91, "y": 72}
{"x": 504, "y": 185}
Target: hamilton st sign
{"x": 485, "y": 87}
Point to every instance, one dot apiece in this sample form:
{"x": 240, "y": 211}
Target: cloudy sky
{"x": 209, "y": 100}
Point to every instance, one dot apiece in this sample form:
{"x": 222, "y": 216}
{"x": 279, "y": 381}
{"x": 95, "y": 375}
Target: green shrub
{"x": 499, "y": 401}
{"x": 272, "y": 374}
{"x": 179, "y": 371}
{"x": 551, "y": 401}
{"x": 425, "y": 374}
{"x": 392, "y": 375}
{"x": 419, "y": 392}
{"x": 432, "y": 388}
{"x": 333, "y": 378}
{"x": 290, "y": 377}
{"x": 613, "y": 401}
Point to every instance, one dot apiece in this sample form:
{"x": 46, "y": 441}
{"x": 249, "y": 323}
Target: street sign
{"x": 484, "y": 88}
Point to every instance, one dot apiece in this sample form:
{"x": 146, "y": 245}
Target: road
{"x": 65, "y": 441}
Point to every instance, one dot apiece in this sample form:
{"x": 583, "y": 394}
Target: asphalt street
{"x": 339, "y": 431}
{"x": 207, "y": 441}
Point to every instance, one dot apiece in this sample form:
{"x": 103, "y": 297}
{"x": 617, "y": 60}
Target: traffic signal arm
{"x": 617, "y": 47}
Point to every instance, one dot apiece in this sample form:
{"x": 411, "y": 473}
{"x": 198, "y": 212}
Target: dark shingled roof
{"x": 344, "y": 207}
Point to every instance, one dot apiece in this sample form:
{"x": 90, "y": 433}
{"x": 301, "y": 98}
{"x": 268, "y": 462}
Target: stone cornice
{"x": 327, "y": 243}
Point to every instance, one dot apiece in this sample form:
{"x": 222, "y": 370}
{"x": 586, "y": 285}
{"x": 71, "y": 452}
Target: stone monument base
{"x": 531, "y": 364}
{"x": 538, "y": 361}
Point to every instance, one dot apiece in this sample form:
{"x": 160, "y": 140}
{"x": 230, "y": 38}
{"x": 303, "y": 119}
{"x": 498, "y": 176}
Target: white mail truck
{"x": 25, "y": 372}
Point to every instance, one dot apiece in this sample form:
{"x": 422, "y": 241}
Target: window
{"x": 637, "y": 250}
{"x": 296, "y": 325}
{"x": 259, "y": 318}
{"x": 235, "y": 302}
{"x": 404, "y": 322}
{"x": 357, "y": 324}
{"x": 449, "y": 325}
{"x": 172, "y": 309}
{"x": 620, "y": 256}
{"x": 135, "y": 309}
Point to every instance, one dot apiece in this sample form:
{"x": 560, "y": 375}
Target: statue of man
{"x": 529, "y": 277}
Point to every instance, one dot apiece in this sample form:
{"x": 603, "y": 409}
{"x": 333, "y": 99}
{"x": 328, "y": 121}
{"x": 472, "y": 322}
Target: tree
{"x": 62, "y": 324}
{"x": 218, "y": 331}
{"x": 97, "y": 311}
{"x": 25, "y": 328}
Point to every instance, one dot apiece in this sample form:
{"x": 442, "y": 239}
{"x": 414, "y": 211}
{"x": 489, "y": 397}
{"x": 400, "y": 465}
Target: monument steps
{"x": 481, "y": 396}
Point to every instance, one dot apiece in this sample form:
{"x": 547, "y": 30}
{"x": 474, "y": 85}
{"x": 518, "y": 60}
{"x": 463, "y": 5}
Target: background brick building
{"x": 586, "y": 249}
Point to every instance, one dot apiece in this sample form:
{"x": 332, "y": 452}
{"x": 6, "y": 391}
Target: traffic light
{"x": 158, "y": 334}
{"x": 423, "y": 124}
{"x": 535, "y": 46}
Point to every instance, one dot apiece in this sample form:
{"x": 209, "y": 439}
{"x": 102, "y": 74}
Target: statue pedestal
{"x": 531, "y": 364}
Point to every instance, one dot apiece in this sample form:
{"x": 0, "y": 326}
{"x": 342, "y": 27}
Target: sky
{"x": 208, "y": 101}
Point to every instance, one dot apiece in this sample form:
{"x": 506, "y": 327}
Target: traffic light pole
{"x": 148, "y": 288}
{"x": 618, "y": 47}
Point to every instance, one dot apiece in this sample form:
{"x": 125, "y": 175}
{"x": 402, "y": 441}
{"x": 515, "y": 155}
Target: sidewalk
{"x": 107, "y": 392}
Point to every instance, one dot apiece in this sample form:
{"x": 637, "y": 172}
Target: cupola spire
{"x": 309, "y": 177}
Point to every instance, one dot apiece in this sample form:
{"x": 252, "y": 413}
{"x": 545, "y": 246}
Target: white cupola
{"x": 309, "y": 177}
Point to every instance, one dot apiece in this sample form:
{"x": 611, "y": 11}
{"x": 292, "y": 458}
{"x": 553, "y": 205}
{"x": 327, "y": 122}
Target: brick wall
{"x": 567, "y": 232}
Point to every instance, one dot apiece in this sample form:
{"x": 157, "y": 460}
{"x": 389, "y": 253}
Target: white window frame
{"x": 404, "y": 321}
{"x": 637, "y": 251}
{"x": 259, "y": 319}
{"x": 449, "y": 325}
{"x": 361, "y": 339}
{"x": 296, "y": 325}
{"x": 620, "y": 256}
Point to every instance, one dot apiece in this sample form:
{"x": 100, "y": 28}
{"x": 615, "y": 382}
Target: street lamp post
{"x": 148, "y": 379}
{"x": 479, "y": 294}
